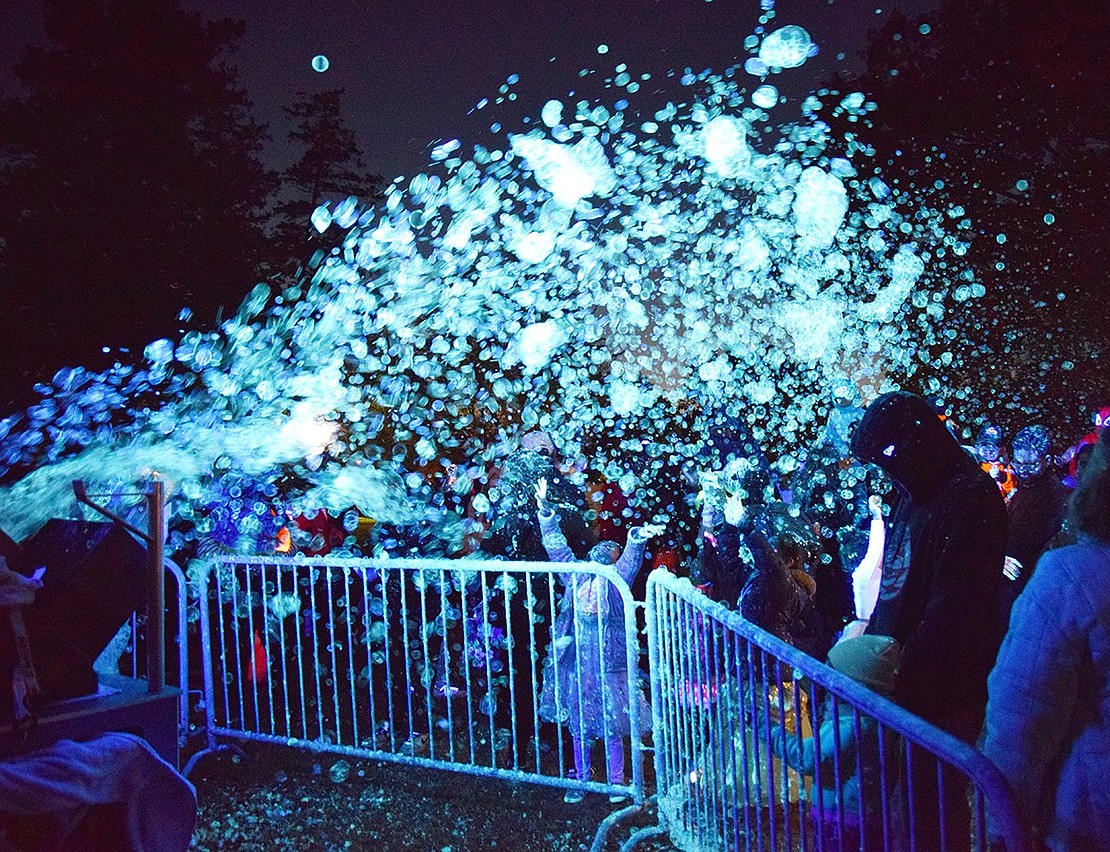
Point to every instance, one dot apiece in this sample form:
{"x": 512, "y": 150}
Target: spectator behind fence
{"x": 1036, "y": 509}
{"x": 942, "y": 568}
{"x": 585, "y": 675}
{"x": 513, "y": 531}
{"x": 845, "y": 786}
{"x": 1048, "y": 720}
{"x": 726, "y": 495}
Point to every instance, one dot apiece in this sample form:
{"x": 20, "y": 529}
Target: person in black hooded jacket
{"x": 942, "y": 568}
{"x": 942, "y": 572}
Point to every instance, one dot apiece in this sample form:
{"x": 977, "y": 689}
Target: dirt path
{"x": 285, "y": 799}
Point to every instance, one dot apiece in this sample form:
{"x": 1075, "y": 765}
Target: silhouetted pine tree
{"x": 131, "y": 184}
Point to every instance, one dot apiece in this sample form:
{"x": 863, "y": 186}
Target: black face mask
{"x": 901, "y": 434}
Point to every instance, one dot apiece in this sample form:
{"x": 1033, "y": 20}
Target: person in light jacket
{"x": 1048, "y": 710}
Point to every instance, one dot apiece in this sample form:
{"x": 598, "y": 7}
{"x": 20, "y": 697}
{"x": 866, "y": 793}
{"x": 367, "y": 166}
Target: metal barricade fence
{"x": 479, "y": 666}
{"x": 132, "y": 654}
{"x": 759, "y": 746}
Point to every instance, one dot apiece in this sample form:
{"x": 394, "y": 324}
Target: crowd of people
{"x": 966, "y": 582}
{"x": 894, "y": 532}
{"x": 889, "y": 527}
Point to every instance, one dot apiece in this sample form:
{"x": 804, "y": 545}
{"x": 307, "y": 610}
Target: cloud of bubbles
{"x": 590, "y": 276}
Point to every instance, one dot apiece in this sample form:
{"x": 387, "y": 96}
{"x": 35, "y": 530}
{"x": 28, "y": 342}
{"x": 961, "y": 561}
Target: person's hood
{"x": 903, "y": 435}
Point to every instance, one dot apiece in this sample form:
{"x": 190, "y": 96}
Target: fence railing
{"x": 132, "y": 656}
{"x": 493, "y": 668}
{"x": 759, "y": 746}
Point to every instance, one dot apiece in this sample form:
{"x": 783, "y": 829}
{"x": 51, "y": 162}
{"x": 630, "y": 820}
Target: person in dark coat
{"x": 722, "y": 570}
{"x": 942, "y": 569}
{"x": 1036, "y": 509}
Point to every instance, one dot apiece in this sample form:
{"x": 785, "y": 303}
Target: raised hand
{"x": 15, "y": 589}
{"x": 652, "y": 530}
{"x": 734, "y": 510}
{"x": 875, "y": 504}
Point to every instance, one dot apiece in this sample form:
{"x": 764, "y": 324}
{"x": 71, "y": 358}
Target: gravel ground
{"x": 280, "y": 798}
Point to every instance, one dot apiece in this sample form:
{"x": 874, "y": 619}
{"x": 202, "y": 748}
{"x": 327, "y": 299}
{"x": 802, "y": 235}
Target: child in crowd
{"x": 585, "y": 675}
{"x": 844, "y": 755}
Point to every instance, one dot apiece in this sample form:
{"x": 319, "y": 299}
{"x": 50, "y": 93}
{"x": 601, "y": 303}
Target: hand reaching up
{"x": 652, "y": 530}
{"x": 875, "y": 504}
{"x": 15, "y": 589}
{"x": 734, "y": 510}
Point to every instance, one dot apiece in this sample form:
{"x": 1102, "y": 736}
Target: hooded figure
{"x": 942, "y": 569}
{"x": 942, "y": 565}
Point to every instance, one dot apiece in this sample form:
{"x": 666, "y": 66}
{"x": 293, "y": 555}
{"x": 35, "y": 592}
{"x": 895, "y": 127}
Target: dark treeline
{"x": 132, "y": 185}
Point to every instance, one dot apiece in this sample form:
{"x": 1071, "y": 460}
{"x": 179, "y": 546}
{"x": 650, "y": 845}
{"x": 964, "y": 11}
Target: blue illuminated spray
{"x": 589, "y": 275}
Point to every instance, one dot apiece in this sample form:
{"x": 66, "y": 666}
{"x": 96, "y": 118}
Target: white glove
{"x": 734, "y": 510}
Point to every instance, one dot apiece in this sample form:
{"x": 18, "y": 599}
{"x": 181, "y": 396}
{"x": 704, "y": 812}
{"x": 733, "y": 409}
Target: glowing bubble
{"x": 725, "y": 145}
{"x": 159, "y": 353}
{"x": 552, "y": 113}
{"x": 756, "y": 67}
{"x": 537, "y": 343}
{"x": 787, "y": 47}
{"x": 820, "y": 203}
{"x": 1049, "y": 218}
{"x": 569, "y": 173}
{"x": 535, "y": 246}
{"x": 815, "y": 326}
{"x": 626, "y": 398}
{"x": 320, "y": 63}
{"x": 925, "y": 29}
{"x": 905, "y": 270}
{"x": 603, "y": 48}
{"x": 765, "y": 97}
{"x": 321, "y": 218}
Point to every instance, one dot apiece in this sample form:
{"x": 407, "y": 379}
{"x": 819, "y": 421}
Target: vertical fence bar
{"x": 351, "y": 674}
{"x": 366, "y": 613}
{"x": 466, "y": 664}
{"x": 510, "y": 647}
{"x": 533, "y": 662}
{"x": 386, "y": 618}
{"x": 448, "y": 694}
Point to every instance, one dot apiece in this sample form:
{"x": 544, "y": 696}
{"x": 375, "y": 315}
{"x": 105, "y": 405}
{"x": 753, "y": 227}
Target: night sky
{"x": 414, "y": 70}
